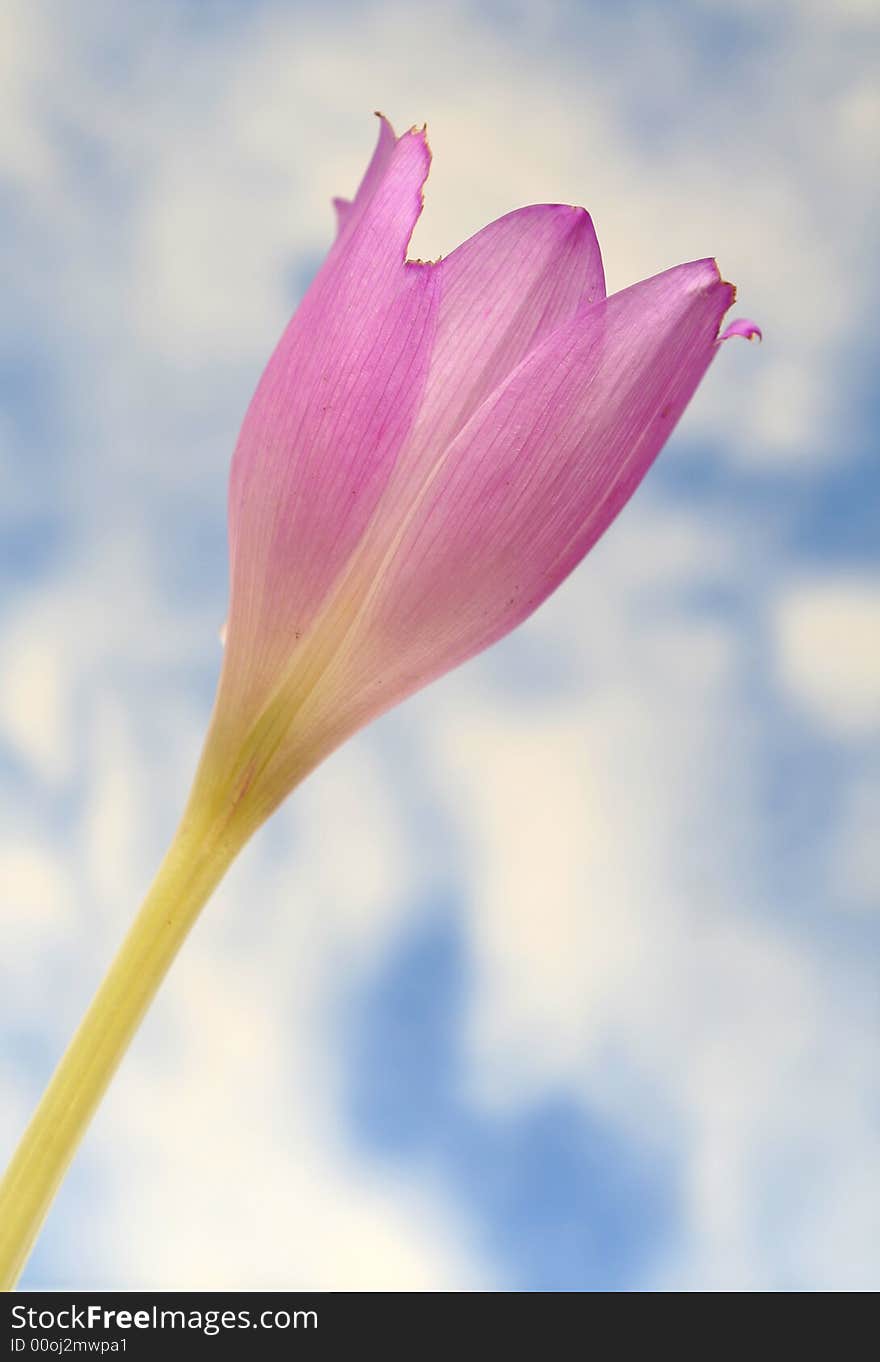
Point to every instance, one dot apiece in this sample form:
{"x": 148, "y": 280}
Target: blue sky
{"x": 563, "y": 975}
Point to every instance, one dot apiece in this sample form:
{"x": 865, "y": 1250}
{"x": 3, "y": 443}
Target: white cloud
{"x": 827, "y": 641}
{"x": 34, "y": 699}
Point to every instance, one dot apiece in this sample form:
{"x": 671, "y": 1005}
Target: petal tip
{"x": 580, "y": 219}
{"x": 419, "y": 134}
{"x": 718, "y": 277}
{"x": 716, "y": 281}
{"x": 706, "y": 277}
{"x": 387, "y": 126}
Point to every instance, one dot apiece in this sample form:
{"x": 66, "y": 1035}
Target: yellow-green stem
{"x": 201, "y": 853}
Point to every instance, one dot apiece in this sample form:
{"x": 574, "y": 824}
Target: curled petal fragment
{"x": 742, "y": 327}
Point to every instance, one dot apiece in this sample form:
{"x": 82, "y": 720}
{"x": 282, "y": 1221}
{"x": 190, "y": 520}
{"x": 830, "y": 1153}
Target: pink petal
{"x": 332, "y": 411}
{"x": 742, "y": 327}
{"x": 530, "y": 484}
{"x": 347, "y": 210}
{"x": 501, "y": 294}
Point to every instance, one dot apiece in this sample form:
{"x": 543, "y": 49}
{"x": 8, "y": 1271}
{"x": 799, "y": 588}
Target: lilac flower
{"x": 430, "y": 451}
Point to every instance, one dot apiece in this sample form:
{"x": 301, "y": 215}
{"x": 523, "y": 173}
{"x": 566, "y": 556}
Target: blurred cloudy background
{"x": 563, "y": 976}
